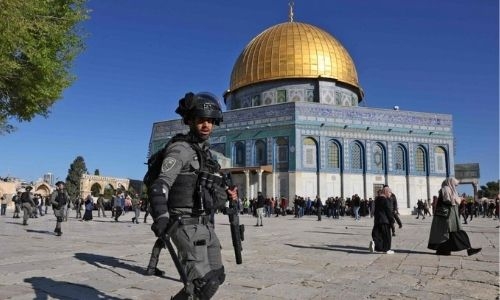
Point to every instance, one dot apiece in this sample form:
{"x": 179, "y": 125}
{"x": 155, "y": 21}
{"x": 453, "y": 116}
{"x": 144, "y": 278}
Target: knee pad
{"x": 59, "y": 219}
{"x": 206, "y": 287}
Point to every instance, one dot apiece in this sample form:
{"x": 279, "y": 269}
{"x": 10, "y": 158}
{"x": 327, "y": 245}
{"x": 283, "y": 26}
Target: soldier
{"x": 59, "y": 200}
{"x": 17, "y": 204}
{"x": 100, "y": 206}
{"x": 187, "y": 189}
{"x": 78, "y": 207}
{"x": 27, "y": 204}
{"x": 136, "y": 207}
{"x": 145, "y": 208}
{"x": 152, "y": 268}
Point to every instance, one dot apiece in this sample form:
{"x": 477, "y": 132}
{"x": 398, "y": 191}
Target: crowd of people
{"x": 446, "y": 233}
{"x": 121, "y": 202}
{"x": 34, "y": 205}
{"x": 356, "y": 207}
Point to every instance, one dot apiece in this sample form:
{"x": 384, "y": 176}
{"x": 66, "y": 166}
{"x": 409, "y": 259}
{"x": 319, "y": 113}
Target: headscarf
{"x": 449, "y": 190}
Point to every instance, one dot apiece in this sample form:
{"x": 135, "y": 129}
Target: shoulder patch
{"x": 168, "y": 164}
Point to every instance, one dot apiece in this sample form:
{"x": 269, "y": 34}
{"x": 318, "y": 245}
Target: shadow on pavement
{"x": 340, "y": 248}
{"x": 356, "y": 249}
{"x": 40, "y": 231}
{"x": 15, "y": 223}
{"x": 99, "y": 260}
{"x": 330, "y": 232}
{"x": 46, "y": 288}
{"x": 412, "y": 251}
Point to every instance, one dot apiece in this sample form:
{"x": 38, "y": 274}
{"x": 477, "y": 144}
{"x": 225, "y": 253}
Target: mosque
{"x": 294, "y": 125}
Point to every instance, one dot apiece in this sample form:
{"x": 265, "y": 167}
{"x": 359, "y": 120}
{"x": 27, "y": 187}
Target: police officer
{"x": 17, "y": 204}
{"x": 27, "y": 204}
{"x": 181, "y": 204}
{"x": 59, "y": 200}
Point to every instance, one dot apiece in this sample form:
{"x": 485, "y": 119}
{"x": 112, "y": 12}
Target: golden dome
{"x": 293, "y": 50}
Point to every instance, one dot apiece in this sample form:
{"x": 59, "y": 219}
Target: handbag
{"x": 443, "y": 207}
{"x": 442, "y": 211}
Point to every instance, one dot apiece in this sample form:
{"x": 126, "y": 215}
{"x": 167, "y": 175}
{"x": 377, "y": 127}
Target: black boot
{"x": 182, "y": 295}
{"x": 150, "y": 271}
{"x": 472, "y": 251}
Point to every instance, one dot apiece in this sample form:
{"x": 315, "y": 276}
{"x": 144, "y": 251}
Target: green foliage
{"x": 108, "y": 192}
{"x": 95, "y": 190}
{"x": 131, "y": 191}
{"x": 39, "y": 41}
{"x": 75, "y": 172}
{"x": 96, "y": 172}
{"x": 490, "y": 190}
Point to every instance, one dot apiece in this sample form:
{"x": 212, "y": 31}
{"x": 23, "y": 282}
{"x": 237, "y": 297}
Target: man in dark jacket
{"x": 319, "y": 207}
{"x": 356, "y": 203}
{"x": 395, "y": 213}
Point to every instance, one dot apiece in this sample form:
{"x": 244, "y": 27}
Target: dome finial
{"x": 290, "y": 13}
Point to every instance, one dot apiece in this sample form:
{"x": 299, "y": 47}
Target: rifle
{"x": 182, "y": 273}
{"x": 237, "y": 229}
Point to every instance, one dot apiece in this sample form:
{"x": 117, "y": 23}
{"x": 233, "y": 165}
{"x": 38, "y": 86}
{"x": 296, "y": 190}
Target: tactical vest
{"x": 61, "y": 198}
{"x": 25, "y": 197}
{"x": 201, "y": 190}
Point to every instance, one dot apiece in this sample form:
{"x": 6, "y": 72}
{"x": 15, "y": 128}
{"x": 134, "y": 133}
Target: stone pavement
{"x": 287, "y": 258}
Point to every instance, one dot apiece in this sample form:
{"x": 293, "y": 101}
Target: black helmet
{"x": 203, "y": 105}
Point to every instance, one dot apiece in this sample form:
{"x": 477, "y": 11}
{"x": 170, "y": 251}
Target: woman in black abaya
{"x": 383, "y": 219}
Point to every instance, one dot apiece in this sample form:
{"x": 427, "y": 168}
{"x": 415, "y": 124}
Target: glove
{"x": 159, "y": 226}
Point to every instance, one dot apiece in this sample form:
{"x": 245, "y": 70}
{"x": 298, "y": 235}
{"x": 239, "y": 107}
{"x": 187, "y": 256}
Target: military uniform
{"x": 27, "y": 205}
{"x": 60, "y": 201}
{"x": 197, "y": 244}
{"x": 17, "y": 205}
{"x": 100, "y": 206}
{"x": 187, "y": 189}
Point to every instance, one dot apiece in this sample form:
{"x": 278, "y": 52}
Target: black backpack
{"x": 156, "y": 160}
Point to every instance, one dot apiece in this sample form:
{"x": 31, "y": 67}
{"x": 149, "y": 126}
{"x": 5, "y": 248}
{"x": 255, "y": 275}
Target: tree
{"x": 490, "y": 190}
{"x": 95, "y": 190}
{"x": 75, "y": 172}
{"x": 96, "y": 172}
{"x": 40, "y": 40}
{"x": 108, "y": 192}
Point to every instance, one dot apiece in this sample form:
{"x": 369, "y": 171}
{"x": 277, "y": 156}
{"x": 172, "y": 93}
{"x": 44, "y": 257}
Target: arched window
{"x": 378, "y": 157}
{"x": 420, "y": 160}
{"x": 239, "y": 157}
{"x": 400, "y": 158}
{"x": 309, "y": 153}
{"x": 356, "y": 156}
{"x": 260, "y": 153}
{"x": 440, "y": 160}
{"x": 333, "y": 155}
{"x": 281, "y": 159}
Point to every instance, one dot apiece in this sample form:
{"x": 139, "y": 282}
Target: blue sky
{"x": 142, "y": 56}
